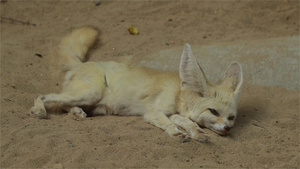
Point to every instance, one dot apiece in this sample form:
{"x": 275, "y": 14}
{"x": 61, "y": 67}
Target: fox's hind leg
{"x": 69, "y": 102}
{"x": 50, "y": 102}
{"x": 84, "y": 86}
{"x": 39, "y": 110}
{"x": 78, "y": 113}
{"x": 101, "y": 110}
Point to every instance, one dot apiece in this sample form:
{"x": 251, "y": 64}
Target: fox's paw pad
{"x": 201, "y": 137}
{"x": 38, "y": 110}
{"x": 78, "y": 113}
{"x": 181, "y": 136}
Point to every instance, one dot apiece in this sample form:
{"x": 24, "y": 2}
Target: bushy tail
{"x": 74, "y": 47}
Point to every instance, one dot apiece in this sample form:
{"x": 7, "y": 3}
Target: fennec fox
{"x": 166, "y": 100}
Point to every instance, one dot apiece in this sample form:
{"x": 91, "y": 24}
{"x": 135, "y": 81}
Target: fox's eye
{"x": 214, "y": 112}
{"x": 231, "y": 118}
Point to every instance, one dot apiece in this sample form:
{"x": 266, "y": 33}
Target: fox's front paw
{"x": 181, "y": 136}
{"x": 200, "y": 136}
{"x": 177, "y": 134}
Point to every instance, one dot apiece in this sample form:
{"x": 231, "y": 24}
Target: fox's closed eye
{"x": 214, "y": 112}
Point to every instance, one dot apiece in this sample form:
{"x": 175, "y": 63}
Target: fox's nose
{"x": 227, "y": 128}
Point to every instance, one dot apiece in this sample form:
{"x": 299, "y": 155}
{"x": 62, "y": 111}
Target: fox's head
{"x": 209, "y": 105}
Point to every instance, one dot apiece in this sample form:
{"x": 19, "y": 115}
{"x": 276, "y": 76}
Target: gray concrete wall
{"x": 269, "y": 62}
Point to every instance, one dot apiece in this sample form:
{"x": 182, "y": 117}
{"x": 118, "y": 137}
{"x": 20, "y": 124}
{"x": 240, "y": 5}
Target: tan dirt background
{"x": 266, "y": 134}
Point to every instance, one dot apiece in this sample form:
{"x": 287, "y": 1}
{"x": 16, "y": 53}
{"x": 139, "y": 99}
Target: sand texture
{"x": 266, "y": 134}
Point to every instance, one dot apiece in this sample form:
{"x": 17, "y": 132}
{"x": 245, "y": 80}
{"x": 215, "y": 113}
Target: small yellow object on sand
{"x": 133, "y": 31}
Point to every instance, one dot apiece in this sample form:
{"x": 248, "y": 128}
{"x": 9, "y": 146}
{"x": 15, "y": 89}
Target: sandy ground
{"x": 266, "y": 134}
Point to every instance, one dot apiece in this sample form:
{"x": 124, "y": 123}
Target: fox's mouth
{"x": 220, "y": 132}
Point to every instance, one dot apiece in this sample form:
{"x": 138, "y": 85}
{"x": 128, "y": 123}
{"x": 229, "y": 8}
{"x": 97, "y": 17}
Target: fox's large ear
{"x": 234, "y": 77}
{"x": 191, "y": 73}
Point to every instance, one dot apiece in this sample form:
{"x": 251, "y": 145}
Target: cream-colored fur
{"x": 164, "y": 99}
